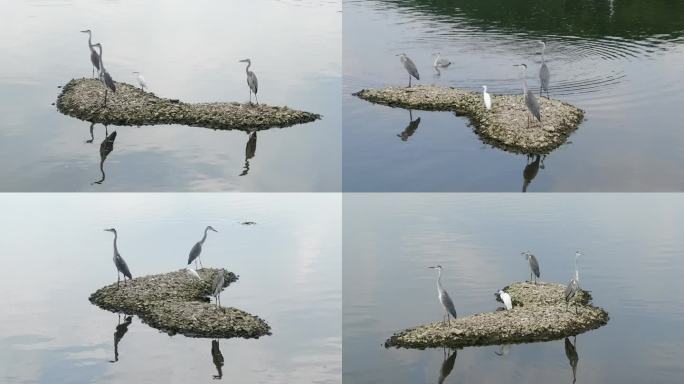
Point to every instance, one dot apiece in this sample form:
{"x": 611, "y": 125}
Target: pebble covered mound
{"x": 176, "y": 302}
{"x": 504, "y": 126}
{"x": 538, "y": 314}
{"x": 129, "y": 105}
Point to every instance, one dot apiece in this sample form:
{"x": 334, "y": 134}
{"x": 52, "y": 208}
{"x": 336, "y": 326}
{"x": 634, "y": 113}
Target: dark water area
{"x": 619, "y": 61}
{"x": 289, "y": 274}
{"x": 185, "y": 50}
{"x": 632, "y": 266}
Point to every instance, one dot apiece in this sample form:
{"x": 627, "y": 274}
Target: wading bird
{"x": 141, "y": 80}
{"x": 544, "y": 74}
{"x": 106, "y": 78}
{"x": 530, "y": 100}
{"x": 119, "y": 262}
{"x": 217, "y": 287}
{"x": 252, "y": 81}
{"x": 506, "y": 299}
{"x": 534, "y": 265}
{"x": 197, "y": 248}
{"x": 409, "y": 66}
{"x": 443, "y": 296}
{"x": 193, "y": 273}
{"x": 573, "y": 287}
{"x": 440, "y": 62}
{"x": 94, "y": 57}
{"x": 486, "y": 97}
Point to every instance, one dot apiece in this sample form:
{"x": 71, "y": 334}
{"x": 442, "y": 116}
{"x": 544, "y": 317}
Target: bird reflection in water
{"x": 571, "y": 354}
{"x": 106, "y": 147}
{"x": 92, "y": 137}
{"x": 250, "y": 151}
{"x": 119, "y": 333}
{"x": 217, "y": 357}
{"x": 503, "y": 350}
{"x": 447, "y": 364}
{"x": 531, "y": 169}
{"x": 410, "y": 129}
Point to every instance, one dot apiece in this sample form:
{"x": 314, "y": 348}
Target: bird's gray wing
{"x": 448, "y": 304}
{"x": 534, "y": 265}
{"x": 544, "y": 76}
{"x": 218, "y": 283}
{"x": 122, "y": 266}
{"x": 194, "y": 252}
{"x": 109, "y": 82}
{"x": 533, "y": 105}
{"x": 571, "y": 289}
{"x": 95, "y": 59}
{"x": 411, "y": 68}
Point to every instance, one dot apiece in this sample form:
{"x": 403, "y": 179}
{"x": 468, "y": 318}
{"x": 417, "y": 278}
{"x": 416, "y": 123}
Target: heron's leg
{"x": 200, "y": 260}
{"x": 93, "y": 71}
{"x": 256, "y": 98}
{"x": 118, "y": 279}
{"x": 195, "y": 264}
{"x": 105, "y": 103}
{"x": 409, "y": 81}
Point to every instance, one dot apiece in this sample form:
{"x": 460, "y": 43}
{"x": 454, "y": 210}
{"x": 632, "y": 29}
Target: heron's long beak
{"x": 86, "y": 31}
{"x": 244, "y": 60}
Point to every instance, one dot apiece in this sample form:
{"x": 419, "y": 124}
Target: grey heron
{"x": 106, "y": 147}
{"x": 443, "y": 296}
{"x": 141, "y": 80}
{"x": 534, "y": 265}
{"x": 94, "y": 57}
{"x": 573, "y": 357}
{"x": 119, "y": 262}
{"x": 409, "y": 66}
{"x": 106, "y": 78}
{"x": 530, "y": 100}
{"x": 440, "y": 62}
{"x": 119, "y": 333}
{"x": 217, "y": 287}
{"x": 573, "y": 287}
{"x": 197, "y": 248}
{"x": 487, "y": 98}
{"x": 410, "y": 128}
{"x": 544, "y": 74}
{"x": 252, "y": 81}
{"x": 217, "y": 358}
{"x": 506, "y": 299}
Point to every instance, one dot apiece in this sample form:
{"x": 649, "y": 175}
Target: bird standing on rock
{"x": 197, "y": 248}
{"x": 409, "y": 66}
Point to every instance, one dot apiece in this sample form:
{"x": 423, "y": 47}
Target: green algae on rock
{"x": 539, "y": 314}
{"x": 504, "y": 126}
{"x": 83, "y": 99}
{"x": 175, "y": 302}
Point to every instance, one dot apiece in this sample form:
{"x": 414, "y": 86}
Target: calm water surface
{"x": 187, "y": 50}
{"x": 289, "y": 266}
{"x": 620, "y": 61}
{"x": 632, "y": 266}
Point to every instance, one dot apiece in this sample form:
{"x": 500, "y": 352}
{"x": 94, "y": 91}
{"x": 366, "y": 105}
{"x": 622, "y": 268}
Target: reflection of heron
{"x": 217, "y": 287}
{"x": 573, "y": 357}
{"x": 544, "y": 74}
{"x": 94, "y": 57}
{"x": 106, "y": 147}
{"x": 409, "y": 66}
{"x": 503, "y": 350}
{"x": 197, "y": 248}
{"x": 534, "y": 265}
{"x": 252, "y": 81}
{"x": 530, "y": 171}
{"x": 119, "y": 333}
{"x": 411, "y": 128}
{"x": 106, "y": 78}
{"x": 506, "y": 299}
{"x": 119, "y": 262}
{"x": 92, "y": 137}
{"x": 487, "y": 98}
{"x": 217, "y": 357}
{"x": 573, "y": 287}
{"x": 141, "y": 80}
{"x": 443, "y": 296}
{"x": 250, "y": 151}
{"x": 531, "y": 102}
{"x": 447, "y": 365}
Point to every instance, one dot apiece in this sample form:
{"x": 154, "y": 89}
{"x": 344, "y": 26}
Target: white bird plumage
{"x": 440, "y": 62}
{"x": 487, "y": 97}
{"x": 141, "y": 80}
{"x": 193, "y": 273}
{"x": 506, "y": 298}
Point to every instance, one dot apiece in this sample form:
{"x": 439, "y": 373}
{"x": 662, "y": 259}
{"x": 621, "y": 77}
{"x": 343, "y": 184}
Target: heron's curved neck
{"x": 99, "y": 48}
{"x": 439, "y": 280}
{"x": 249, "y": 64}
{"x": 116, "y": 250}
{"x": 90, "y": 44}
{"x": 205, "y": 235}
{"x": 576, "y": 268}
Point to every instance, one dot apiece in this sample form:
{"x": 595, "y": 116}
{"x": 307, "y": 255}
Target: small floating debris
{"x": 129, "y": 105}
{"x": 505, "y": 126}
{"x": 539, "y": 314}
{"x": 176, "y": 302}
{"x": 248, "y": 223}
